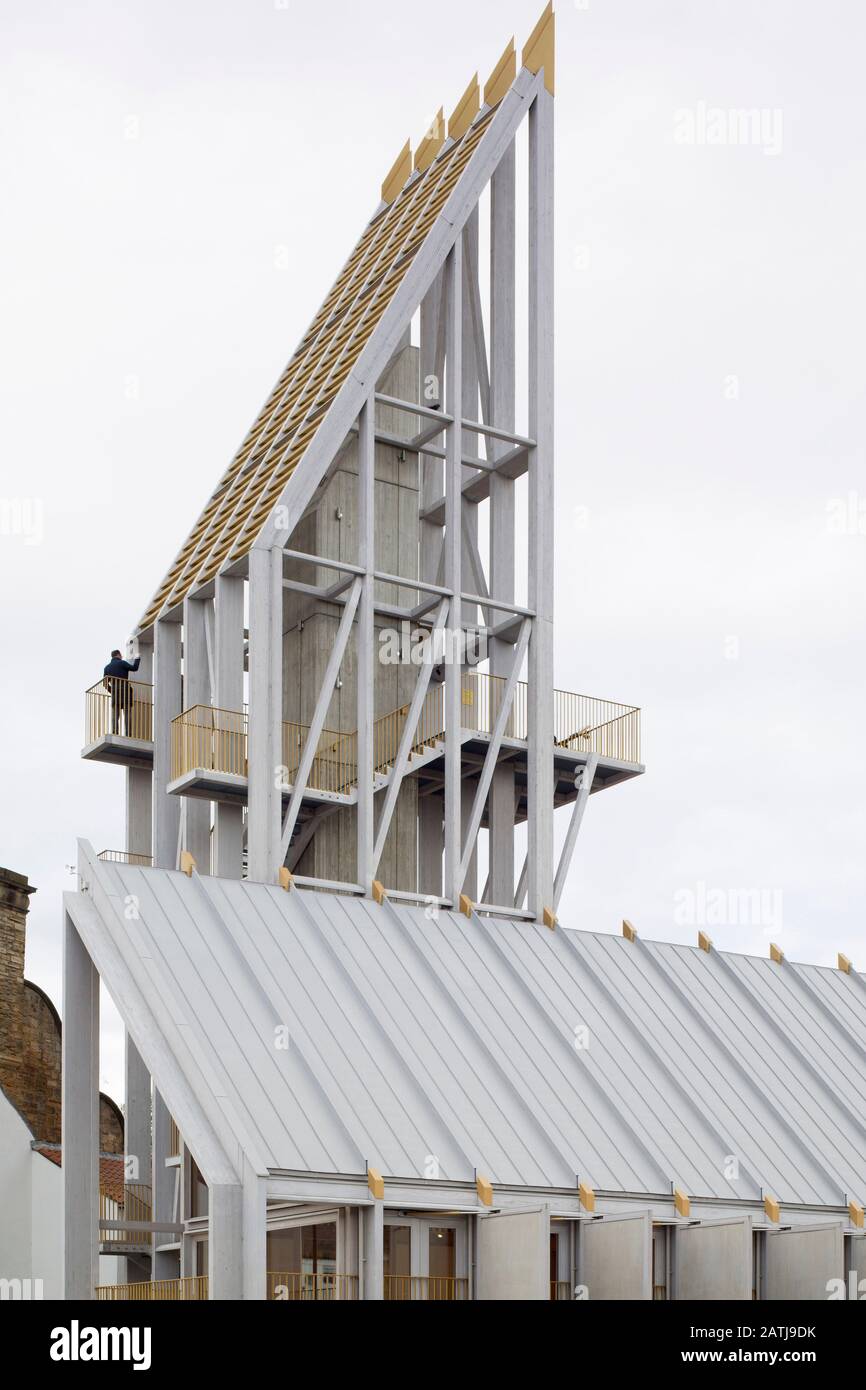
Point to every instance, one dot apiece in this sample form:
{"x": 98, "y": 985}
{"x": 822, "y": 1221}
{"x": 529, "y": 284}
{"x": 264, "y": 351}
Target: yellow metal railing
{"x": 413, "y": 1288}
{"x": 122, "y": 856}
{"x": 319, "y": 1288}
{"x": 583, "y": 724}
{"x": 388, "y": 731}
{"x": 119, "y": 707}
{"x": 214, "y": 740}
{"x": 173, "y": 1139}
{"x": 660, "y": 1293}
{"x": 137, "y": 1206}
{"x": 335, "y": 766}
{"x": 560, "y": 1291}
{"x": 193, "y": 1290}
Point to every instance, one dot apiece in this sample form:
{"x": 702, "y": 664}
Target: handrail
{"x": 304, "y": 1288}
{"x": 122, "y": 856}
{"x": 136, "y": 1206}
{"x": 416, "y": 1288}
{"x": 189, "y": 1290}
{"x": 216, "y": 740}
{"x": 119, "y": 708}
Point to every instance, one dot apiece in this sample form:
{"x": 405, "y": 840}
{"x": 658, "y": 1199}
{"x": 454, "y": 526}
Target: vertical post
{"x": 225, "y": 1241}
{"x": 166, "y": 707}
{"x": 255, "y": 1220}
{"x": 365, "y": 638}
{"x": 541, "y": 514}
{"x": 374, "y": 1252}
{"x": 163, "y": 1266}
{"x": 453, "y": 555}
{"x": 196, "y": 691}
{"x": 432, "y": 481}
{"x": 264, "y": 827}
{"x": 80, "y": 1117}
{"x": 139, "y": 780}
{"x": 468, "y": 519}
{"x": 136, "y": 1129}
{"x": 502, "y": 524}
{"x": 229, "y": 696}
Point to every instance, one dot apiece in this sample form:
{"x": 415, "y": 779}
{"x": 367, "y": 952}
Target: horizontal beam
{"x": 477, "y": 488}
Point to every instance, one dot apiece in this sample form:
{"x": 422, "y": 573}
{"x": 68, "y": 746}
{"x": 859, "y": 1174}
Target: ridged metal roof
{"x": 456, "y": 1038}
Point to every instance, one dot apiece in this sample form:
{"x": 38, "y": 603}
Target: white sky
{"x": 155, "y": 159}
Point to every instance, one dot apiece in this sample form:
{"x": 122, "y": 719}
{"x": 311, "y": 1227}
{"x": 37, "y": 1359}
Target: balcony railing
{"x": 192, "y": 1290}
{"x": 313, "y": 1288}
{"x": 122, "y": 708}
{"x": 335, "y": 766}
{"x": 122, "y": 856}
{"x": 173, "y": 1139}
{"x": 137, "y": 1206}
{"x": 215, "y": 740}
{"x": 413, "y": 1288}
{"x": 560, "y": 1291}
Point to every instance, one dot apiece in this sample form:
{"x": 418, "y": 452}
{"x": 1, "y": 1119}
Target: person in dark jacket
{"x": 115, "y": 678}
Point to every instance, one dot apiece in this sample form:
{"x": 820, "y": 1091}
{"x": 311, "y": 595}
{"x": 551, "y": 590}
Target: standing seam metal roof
{"x": 455, "y": 1038}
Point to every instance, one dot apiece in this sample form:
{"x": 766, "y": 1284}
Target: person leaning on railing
{"x": 115, "y": 678}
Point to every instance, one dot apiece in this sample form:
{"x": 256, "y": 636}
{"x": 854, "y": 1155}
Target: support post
{"x": 139, "y": 781}
{"x": 366, "y": 642}
{"x": 453, "y": 556}
{"x": 374, "y": 1252}
{"x": 500, "y": 812}
{"x": 541, "y": 514}
{"x": 80, "y": 1117}
{"x": 196, "y": 691}
{"x": 264, "y": 741}
{"x": 166, "y": 707}
{"x": 163, "y": 1265}
{"x": 225, "y": 1242}
{"x": 228, "y": 695}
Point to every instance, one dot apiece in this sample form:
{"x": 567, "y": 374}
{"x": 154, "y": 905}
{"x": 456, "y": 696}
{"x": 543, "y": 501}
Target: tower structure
{"x": 352, "y": 653}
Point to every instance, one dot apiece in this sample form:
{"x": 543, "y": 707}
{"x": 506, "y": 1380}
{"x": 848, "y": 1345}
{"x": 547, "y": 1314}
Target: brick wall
{"x": 30, "y": 1036}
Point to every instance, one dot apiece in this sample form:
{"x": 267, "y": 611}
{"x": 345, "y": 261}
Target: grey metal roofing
{"x": 456, "y": 1038}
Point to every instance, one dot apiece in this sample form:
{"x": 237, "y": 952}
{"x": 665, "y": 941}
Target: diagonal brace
{"x": 583, "y": 782}
{"x": 493, "y": 751}
{"x": 407, "y": 738}
{"x": 318, "y": 723}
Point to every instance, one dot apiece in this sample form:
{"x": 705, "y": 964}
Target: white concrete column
{"x": 373, "y": 1273}
{"x": 255, "y": 1236}
{"x": 225, "y": 1242}
{"x": 453, "y": 557}
{"x": 228, "y": 839}
{"x": 196, "y": 691}
{"x": 541, "y": 505}
{"x": 366, "y": 640}
{"x": 80, "y": 1117}
{"x": 139, "y": 781}
{"x": 166, "y": 707}
{"x": 264, "y": 744}
{"x": 163, "y": 1266}
{"x": 137, "y": 1120}
{"x": 500, "y": 803}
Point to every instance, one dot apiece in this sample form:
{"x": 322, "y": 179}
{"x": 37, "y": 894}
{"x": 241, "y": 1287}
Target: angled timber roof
{"x": 457, "y": 1038}
{"x": 416, "y": 195}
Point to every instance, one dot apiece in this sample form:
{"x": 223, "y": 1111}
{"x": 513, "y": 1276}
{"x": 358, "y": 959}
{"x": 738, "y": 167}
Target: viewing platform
{"x": 209, "y": 746}
{"x": 119, "y": 723}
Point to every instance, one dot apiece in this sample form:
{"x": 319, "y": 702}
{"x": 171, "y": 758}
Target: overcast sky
{"x": 181, "y": 183}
